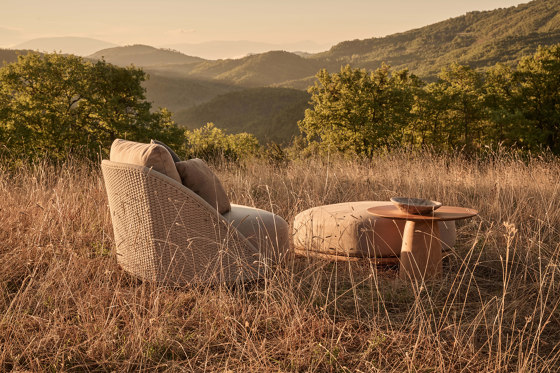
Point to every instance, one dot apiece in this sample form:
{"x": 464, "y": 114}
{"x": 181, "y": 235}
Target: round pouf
{"x": 346, "y": 231}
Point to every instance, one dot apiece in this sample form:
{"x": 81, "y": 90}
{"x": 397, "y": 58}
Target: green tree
{"x": 356, "y": 111}
{"x": 429, "y": 127}
{"x": 506, "y": 124}
{"x": 460, "y": 96}
{"x": 54, "y": 104}
{"x": 539, "y": 96}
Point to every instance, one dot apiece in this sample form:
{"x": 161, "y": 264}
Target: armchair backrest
{"x": 166, "y": 233}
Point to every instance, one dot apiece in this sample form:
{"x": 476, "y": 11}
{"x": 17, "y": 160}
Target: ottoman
{"x": 346, "y": 231}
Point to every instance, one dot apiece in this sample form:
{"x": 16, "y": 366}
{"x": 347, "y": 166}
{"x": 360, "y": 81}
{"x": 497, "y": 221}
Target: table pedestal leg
{"x": 420, "y": 251}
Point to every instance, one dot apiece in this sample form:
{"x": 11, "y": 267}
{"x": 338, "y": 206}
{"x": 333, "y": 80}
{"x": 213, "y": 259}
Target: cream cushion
{"x": 197, "y": 176}
{"x": 347, "y": 229}
{"x": 148, "y": 155}
{"x": 267, "y": 231}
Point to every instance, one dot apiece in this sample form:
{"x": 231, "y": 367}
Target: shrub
{"x": 212, "y": 143}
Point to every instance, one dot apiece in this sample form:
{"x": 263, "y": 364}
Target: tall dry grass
{"x": 66, "y": 306}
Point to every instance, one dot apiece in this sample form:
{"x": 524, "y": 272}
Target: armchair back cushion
{"x": 148, "y": 155}
{"x": 197, "y": 176}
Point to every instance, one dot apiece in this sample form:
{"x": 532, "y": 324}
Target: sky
{"x": 166, "y": 22}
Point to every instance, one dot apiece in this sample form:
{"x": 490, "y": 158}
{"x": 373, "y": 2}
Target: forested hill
{"x": 179, "y": 93}
{"x": 260, "y": 69}
{"x": 478, "y": 39}
{"x": 143, "y": 55}
{"x": 11, "y": 55}
{"x": 268, "y": 113}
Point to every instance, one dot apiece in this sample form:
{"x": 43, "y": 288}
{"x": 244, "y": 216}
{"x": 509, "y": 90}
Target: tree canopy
{"x": 211, "y": 143}
{"x": 53, "y": 104}
{"x": 358, "y": 111}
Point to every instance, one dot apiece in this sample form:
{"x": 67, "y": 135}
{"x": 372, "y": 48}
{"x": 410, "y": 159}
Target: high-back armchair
{"x": 166, "y": 233}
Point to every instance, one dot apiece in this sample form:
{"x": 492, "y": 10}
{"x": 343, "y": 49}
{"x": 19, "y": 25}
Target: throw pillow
{"x": 197, "y": 176}
{"x": 173, "y": 154}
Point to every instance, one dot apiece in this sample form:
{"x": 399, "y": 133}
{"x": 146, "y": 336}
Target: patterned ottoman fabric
{"x": 347, "y": 229}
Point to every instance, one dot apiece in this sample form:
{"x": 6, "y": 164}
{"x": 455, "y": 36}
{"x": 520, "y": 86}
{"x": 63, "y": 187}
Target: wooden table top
{"x": 444, "y": 213}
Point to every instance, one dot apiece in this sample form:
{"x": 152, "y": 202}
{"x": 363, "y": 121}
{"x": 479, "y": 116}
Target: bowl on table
{"x": 415, "y": 206}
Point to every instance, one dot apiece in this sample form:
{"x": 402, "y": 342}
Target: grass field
{"x": 65, "y": 305}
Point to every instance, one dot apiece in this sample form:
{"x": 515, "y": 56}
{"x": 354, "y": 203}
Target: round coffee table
{"x": 421, "y": 244}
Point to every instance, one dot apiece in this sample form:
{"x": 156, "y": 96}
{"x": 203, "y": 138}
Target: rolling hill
{"x": 479, "y": 39}
{"x": 163, "y": 88}
{"x": 268, "y": 113}
{"x": 258, "y": 70}
{"x": 179, "y": 93}
{"x": 11, "y": 55}
{"x": 266, "y": 69}
{"x": 143, "y": 55}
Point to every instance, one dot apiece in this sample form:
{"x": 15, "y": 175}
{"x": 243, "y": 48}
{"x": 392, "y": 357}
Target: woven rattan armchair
{"x": 166, "y": 233}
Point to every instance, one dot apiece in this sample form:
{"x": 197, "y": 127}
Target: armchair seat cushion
{"x": 264, "y": 229}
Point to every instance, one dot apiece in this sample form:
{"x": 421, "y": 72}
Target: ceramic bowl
{"x": 416, "y": 206}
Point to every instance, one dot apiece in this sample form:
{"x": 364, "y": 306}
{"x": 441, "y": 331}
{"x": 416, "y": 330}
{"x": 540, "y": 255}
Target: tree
{"x": 358, "y": 112}
{"x": 429, "y": 127}
{"x": 506, "y": 123}
{"x": 461, "y": 97}
{"x": 539, "y": 96}
{"x": 53, "y": 104}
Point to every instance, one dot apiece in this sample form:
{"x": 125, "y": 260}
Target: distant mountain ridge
{"x": 224, "y": 49}
{"x": 69, "y": 44}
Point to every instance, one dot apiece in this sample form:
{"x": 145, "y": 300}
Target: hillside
{"x": 252, "y": 71}
{"x": 479, "y": 39}
{"x": 265, "y": 69}
{"x": 143, "y": 55}
{"x": 261, "y": 69}
{"x": 179, "y": 93}
{"x": 268, "y": 113}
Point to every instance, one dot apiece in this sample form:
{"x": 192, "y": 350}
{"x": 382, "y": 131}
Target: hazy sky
{"x": 165, "y": 22}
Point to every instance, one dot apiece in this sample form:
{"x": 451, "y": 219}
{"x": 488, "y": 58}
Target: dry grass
{"x": 66, "y": 306}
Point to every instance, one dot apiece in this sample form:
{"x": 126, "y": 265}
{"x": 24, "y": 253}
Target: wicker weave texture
{"x": 165, "y": 233}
